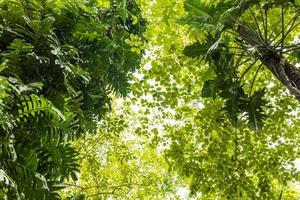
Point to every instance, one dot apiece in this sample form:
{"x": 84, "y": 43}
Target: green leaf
{"x": 196, "y": 50}
{"x": 209, "y": 89}
{"x": 201, "y": 49}
{"x": 254, "y": 110}
{"x": 199, "y": 8}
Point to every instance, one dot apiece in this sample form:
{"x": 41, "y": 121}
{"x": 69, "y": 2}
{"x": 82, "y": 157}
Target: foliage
{"x": 207, "y": 116}
{"x": 60, "y": 60}
{"x": 118, "y": 164}
{"x": 235, "y": 33}
{"x": 199, "y": 112}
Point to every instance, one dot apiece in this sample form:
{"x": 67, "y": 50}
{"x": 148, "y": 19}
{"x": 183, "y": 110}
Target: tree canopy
{"x": 60, "y": 61}
{"x": 124, "y": 99}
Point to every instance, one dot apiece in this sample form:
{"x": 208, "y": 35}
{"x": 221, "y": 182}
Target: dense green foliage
{"x": 60, "y": 60}
{"x": 240, "y": 36}
{"x": 231, "y": 161}
{"x": 209, "y": 114}
{"x": 222, "y": 148}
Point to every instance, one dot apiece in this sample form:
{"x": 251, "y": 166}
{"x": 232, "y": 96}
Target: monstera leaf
{"x": 209, "y": 89}
{"x": 255, "y": 109}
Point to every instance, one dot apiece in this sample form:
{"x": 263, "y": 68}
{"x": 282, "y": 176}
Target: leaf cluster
{"x": 232, "y": 34}
{"x": 60, "y": 61}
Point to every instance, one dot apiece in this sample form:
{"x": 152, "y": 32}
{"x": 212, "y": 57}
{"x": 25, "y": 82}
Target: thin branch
{"x": 101, "y": 193}
{"x": 243, "y": 45}
{"x": 266, "y": 33}
{"x": 84, "y": 142}
{"x": 239, "y": 63}
{"x": 278, "y": 34}
{"x": 282, "y": 29}
{"x": 91, "y": 148}
{"x": 233, "y": 33}
{"x": 256, "y": 22}
{"x": 292, "y": 49}
{"x": 291, "y": 46}
{"x": 274, "y": 29}
{"x": 248, "y": 68}
{"x": 247, "y": 60}
{"x": 246, "y": 26}
{"x": 288, "y": 32}
{"x": 236, "y": 141}
{"x": 100, "y": 187}
{"x": 236, "y": 154}
{"x": 293, "y": 20}
{"x": 254, "y": 78}
{"x": 264, "y": 22}
{"x": 113, "y": 189}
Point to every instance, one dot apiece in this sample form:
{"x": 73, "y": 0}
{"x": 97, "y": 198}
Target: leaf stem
{"x": 254, "y": 78}
{"x": 248, "y": 68}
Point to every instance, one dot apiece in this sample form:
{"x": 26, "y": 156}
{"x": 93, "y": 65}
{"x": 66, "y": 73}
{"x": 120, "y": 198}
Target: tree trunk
{"x": 288, "y": 74}
{"x": 280, "y": 67}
